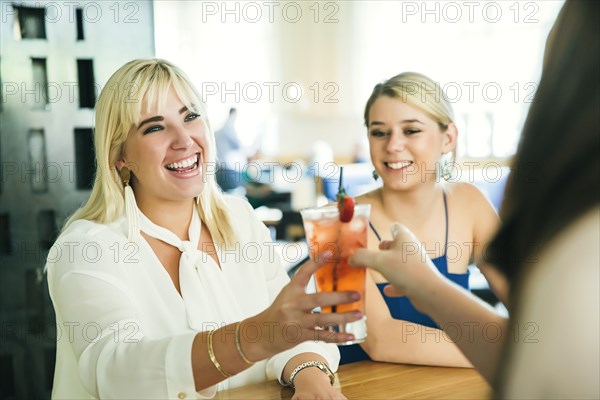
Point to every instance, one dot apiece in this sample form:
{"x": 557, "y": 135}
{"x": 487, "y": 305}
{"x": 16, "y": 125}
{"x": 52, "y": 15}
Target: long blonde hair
{"x": 419, "y": 91}
{"x": 119, "y": 108}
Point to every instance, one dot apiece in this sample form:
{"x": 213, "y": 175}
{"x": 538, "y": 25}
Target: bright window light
{"x": 486, "y": 55}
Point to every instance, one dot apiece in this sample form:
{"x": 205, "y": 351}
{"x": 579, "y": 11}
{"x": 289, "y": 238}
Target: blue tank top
{"x": 401, "y": 307}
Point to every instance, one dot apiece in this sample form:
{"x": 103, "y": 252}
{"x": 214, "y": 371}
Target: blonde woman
{"x": 412, "y": 134}
{"x": 162, "y": 286}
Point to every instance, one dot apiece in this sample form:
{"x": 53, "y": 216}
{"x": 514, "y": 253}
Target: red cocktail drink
{"x": 325, "y": 232}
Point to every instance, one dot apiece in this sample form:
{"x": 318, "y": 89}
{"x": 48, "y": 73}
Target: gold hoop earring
{"x": 125, "y": 174}
{"x": 131, "y": 210}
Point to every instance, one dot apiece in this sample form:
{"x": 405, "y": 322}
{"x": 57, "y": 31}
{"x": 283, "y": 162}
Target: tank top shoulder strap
{"x": 446, "y": 216}
{"x": 374, "y": 231}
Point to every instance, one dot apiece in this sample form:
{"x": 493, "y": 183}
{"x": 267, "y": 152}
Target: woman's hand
{"x": 404, "y": 263}
{"x": 311, "y": 383}
{"x": 289, "y": 320}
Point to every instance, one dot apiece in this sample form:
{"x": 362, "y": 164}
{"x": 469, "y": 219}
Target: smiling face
{"x": 166, "y": 152}
{"x": 405, "y": 143}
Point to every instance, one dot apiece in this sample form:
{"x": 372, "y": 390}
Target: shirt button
{"x": 181, "y": 395}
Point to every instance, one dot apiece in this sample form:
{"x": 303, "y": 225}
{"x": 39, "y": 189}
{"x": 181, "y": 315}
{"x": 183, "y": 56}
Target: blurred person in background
{"x": 231, "y": 157}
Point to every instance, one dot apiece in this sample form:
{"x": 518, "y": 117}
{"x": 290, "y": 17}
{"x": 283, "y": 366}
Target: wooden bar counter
{"x": 374, "y": 380}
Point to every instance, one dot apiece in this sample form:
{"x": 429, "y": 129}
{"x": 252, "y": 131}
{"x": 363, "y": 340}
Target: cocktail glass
{"x": 325, "y": 232}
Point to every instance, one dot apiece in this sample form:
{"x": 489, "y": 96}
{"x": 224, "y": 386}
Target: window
{"x": 37, "y": 161}
{"x": 46, "y": 228}
{"x": 40, "y": 84}
{"x": 5, "y": 241}
{"x": 34, "y": 292}
{"x": 225, "y": 83}
{"x": 87, "y": 90}
{"x": 85, "y": 156}
{"x": 2, "y": 99}
{"x": 7, "y": 375}
{"x": 79, "y": 19}
{"x": 486, "y": 56}
{"x": 30, "y": 23}
{"x": 49, "y": 362}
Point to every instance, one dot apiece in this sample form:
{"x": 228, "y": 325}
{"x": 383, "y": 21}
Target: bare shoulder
{"x": 371, "y": 197}
{"x": 465, "y": 191}
{"x": 470, "y": 204}
{"x": 468, "y": 196}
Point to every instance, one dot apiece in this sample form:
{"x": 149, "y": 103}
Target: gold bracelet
{"x": 239, "y": 346}
{"x": 211, "y": 354}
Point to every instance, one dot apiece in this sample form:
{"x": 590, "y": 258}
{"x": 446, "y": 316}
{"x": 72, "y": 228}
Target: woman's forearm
{"x": 224, "y": 351}
{"x": 409, "y": 343}
{"x": 473, "y": 325}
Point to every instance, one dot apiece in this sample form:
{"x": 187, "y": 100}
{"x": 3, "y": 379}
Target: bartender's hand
{"x": 404, "y": 263}
{"x": 311, "y": 383}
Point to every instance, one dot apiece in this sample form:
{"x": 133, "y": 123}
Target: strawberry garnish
{"x": 345, "y": 206}
{"x": 345, "y": 203}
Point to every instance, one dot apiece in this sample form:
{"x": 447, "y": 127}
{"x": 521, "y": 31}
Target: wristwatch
{"x": 322, "y": 366}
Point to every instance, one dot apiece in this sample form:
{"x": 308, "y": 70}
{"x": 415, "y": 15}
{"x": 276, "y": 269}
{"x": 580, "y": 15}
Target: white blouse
{"x": 123, "y": 330}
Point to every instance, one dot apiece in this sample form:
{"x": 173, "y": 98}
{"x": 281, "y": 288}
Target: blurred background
{"x": 297, "y": 74}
